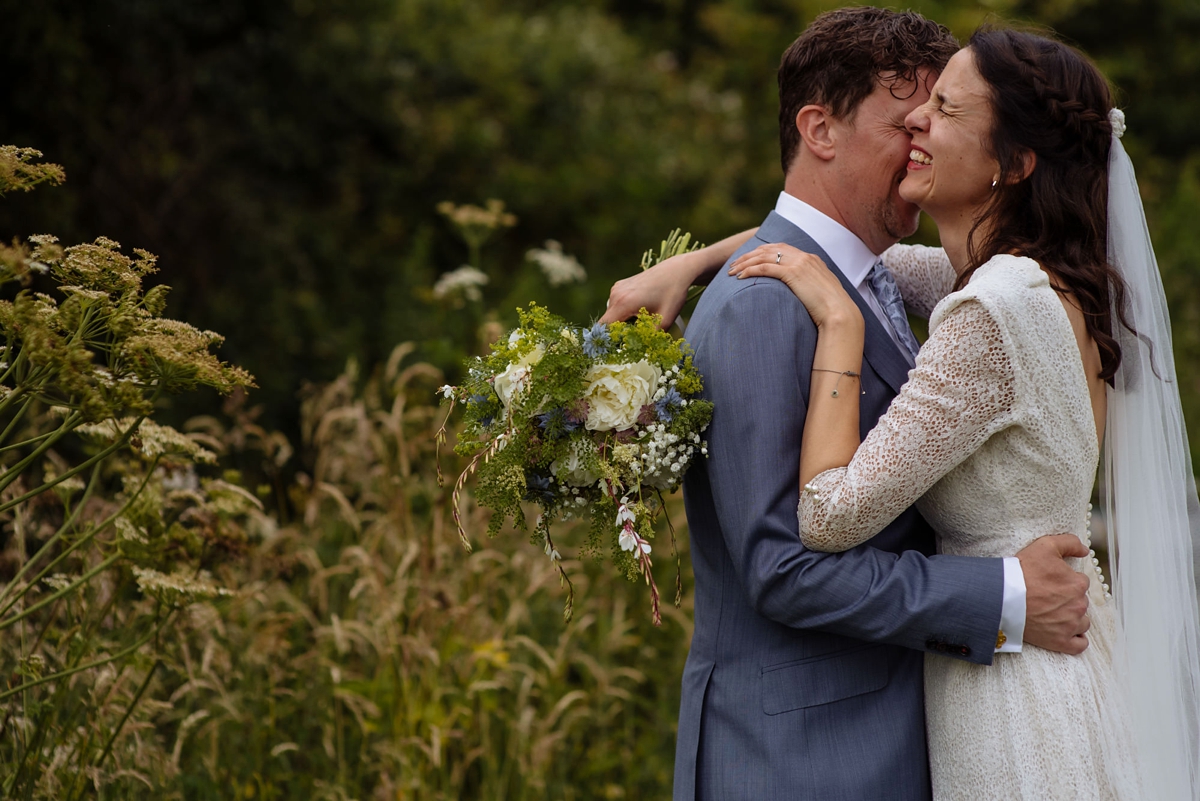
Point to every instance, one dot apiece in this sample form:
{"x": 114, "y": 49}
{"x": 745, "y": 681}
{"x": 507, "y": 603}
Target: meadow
{"x": 228, "y": 567}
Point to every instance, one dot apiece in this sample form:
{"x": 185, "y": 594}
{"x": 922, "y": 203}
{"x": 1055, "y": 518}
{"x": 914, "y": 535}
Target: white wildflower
{"x": 447, "y": 391}
{"x": 559, "y": 268}
{"x": 176, "y": 479}
{"x": 58, "y": 581}
{"x": 624, "y": 513}
{"x": 177, "y": 588}
{"x": 465, "y": 279}
{"x": 128, "y": 532}
{"x": 627, "y": 540}
{"x": 514, "y": 377}
{"x": 151, "y": 439}
{"x": 85, "y": 293}
{"x": 630, "y": 541}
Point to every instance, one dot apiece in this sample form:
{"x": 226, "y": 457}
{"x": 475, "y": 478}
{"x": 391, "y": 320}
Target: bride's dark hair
{"x": 1048, "y": 99}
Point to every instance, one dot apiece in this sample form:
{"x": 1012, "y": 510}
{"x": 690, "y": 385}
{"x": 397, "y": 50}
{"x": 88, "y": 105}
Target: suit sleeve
{"x": 757, "y": 355}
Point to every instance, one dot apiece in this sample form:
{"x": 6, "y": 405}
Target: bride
{"x": 1043, "y": 342}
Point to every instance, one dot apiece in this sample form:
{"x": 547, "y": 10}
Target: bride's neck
{"x": 955, "y": 231}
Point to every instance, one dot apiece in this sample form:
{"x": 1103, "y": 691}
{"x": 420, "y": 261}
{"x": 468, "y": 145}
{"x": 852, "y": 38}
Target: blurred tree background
{"x": 285, "y": 159}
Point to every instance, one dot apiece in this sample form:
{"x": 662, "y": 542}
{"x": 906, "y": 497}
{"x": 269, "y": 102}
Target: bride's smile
{"x": 950, "y": 169}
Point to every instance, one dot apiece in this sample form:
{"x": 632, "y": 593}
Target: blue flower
{"x": 479, "y": 400}
{"x": 538, "y": 489}
{"x": 557, "y": 423}
{"x": 666, "y": 405}
{"x": 596, "y": 341}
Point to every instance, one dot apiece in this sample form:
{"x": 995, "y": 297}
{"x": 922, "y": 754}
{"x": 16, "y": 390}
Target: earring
{"x": 994, "y": 182}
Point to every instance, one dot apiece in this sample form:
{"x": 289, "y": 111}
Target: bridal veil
{"x": 1151, "y": 506}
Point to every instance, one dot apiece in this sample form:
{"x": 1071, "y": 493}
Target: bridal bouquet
{"x": 581, "y": 422}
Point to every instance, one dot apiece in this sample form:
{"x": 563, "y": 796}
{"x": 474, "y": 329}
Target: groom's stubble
{"x": 862, "y": 185}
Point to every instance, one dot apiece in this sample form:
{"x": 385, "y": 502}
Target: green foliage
{"x": 285, "y": 158}
{"x": 365, "y": 655}
{"x": 98, "y": 547}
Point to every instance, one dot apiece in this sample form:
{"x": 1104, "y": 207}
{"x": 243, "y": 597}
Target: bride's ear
{"x": 814, "y": 124}
{"x": 1028, "y": 164}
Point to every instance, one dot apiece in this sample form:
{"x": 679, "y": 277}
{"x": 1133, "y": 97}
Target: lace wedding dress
{"x": 994, "y": 439}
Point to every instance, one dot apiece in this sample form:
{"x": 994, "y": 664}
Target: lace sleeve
{"x": 923, "y": 275}
{"x": 961, "y": 392}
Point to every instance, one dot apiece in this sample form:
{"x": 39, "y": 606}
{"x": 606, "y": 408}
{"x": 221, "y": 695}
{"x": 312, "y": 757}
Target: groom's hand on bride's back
{"x": 1056, "y": 601}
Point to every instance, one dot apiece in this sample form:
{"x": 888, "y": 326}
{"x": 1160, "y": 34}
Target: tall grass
{"x": 366, "y": 655}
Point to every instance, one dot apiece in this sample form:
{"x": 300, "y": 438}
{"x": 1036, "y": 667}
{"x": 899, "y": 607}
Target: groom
{"x": 804, "y": 679}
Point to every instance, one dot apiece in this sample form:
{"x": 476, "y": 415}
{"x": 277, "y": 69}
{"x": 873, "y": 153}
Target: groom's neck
{"x": 806, "y": 185}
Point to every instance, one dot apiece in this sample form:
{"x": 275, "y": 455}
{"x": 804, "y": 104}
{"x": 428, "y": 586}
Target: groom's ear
{"x": 816, "y": 130}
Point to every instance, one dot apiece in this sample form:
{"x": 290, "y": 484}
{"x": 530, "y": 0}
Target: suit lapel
{"x": 879, "y": 350}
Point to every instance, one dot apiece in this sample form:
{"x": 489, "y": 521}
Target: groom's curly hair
{"x": 845, "y": 53}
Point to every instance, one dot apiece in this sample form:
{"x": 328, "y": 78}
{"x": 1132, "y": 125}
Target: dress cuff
{"x": 1012, "y": 612}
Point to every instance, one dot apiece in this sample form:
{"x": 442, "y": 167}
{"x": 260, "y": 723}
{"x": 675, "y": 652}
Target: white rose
{"x": 572, "y": 470}
{"x": 513, "y": 378}
{"x": 616, "y": 394}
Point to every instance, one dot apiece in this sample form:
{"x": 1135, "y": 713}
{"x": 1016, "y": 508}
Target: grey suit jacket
{"x": 804, "y": 679}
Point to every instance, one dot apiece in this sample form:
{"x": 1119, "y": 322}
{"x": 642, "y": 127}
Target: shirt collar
{"x": 853, "y": 258}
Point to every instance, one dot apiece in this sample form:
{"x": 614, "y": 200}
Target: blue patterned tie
{"x": 889, "y": 298}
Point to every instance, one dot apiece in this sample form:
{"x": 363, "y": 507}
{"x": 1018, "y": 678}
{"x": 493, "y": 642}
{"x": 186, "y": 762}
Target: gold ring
{"x": 778, "y": 256}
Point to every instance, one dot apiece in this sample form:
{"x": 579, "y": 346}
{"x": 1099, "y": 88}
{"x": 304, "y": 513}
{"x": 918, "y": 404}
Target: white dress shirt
{"x": 853, "y": 259}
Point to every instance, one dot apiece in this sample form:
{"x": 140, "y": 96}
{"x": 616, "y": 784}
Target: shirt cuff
{"x": 1012, "y": 612}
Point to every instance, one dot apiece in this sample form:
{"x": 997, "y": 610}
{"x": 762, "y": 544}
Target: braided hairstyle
{"x": 1048, "y": 99}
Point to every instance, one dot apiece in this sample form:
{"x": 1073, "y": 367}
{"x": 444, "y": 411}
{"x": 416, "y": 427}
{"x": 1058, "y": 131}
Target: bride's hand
{"x": 807, "y": 276}
{"x": 663, "y": 289}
